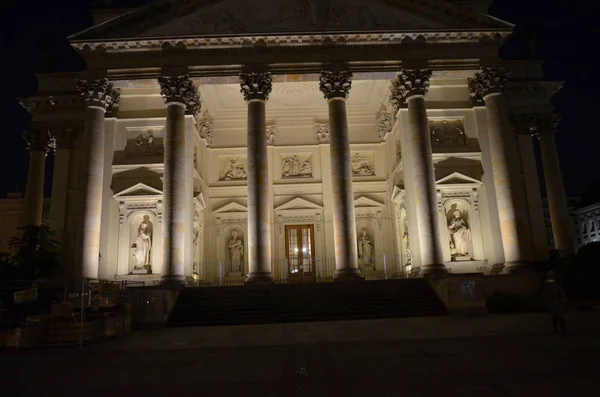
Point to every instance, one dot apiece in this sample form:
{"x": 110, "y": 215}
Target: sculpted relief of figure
{"x": 236, "y": 252}
{"x": 365, "y": 249}
{"x": 143, "y": 245}
{"x": 460, "y": 234}
{"x": 362, "y": 166}
{"x": 235, "y": 170}
{"x": 293, "y": 166}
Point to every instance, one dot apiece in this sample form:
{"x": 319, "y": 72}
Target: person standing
{"x": 556, "y": 302}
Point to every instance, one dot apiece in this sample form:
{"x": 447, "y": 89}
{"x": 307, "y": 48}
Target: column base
{"x": 342, "y": 275}
{"x": 173, "y": 282}
{"x": 433, "y": 270}
{"x": 258, "y": 278}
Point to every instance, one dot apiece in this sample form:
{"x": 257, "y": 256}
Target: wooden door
{"x": 300, "y": 253}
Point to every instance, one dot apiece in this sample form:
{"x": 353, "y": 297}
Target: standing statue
{"x": 365, "y": 249}
{"x": 460, "y": 233}
{"x": 236, "y": 251}
{"x": 143, "y": 245}
{"x": 406, "y": 246}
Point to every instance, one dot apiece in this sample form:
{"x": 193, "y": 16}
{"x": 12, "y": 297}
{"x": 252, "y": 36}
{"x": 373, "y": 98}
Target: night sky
{"x": 559, "y": 29}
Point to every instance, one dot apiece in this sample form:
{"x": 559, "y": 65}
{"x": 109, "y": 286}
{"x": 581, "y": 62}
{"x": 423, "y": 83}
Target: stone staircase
{"x": 305, "y": 302}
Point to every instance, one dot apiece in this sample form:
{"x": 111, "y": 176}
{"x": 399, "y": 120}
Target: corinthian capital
{"x": 410, "y": 82}
{"x": 256, "y": 85}
{"x": 487, "y": 81}
{"x": 39, "y": 140}
{"x": 180, "y": 89}
{"x": 335, "y": 84}
{"x": 98, "y": 93}
{"x": 64, "y": 137}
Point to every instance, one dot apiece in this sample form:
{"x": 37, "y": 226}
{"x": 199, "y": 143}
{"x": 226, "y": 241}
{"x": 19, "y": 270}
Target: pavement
{"x": 495, "y": 355}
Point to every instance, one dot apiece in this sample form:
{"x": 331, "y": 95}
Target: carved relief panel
{"x": 296, "y": 165}
{"x": 144, "y": 143}
{"x": 232, "y": 168}
{"x": 362, "y": 164}
{"x": 447, "y": 133}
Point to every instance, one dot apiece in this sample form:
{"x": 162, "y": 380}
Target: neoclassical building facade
{"x": 225, "y": 141}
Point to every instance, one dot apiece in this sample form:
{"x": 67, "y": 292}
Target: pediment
{"x": 366, "y": 202}
{"x": 398, "y": 194}
{"x": 197, "y": 18}
{"x": 456, "y": 178}
{"x": 201, "y": 203}
{"x": 231, "y": 207}
{"x": 139, "y": 189}
{"x": 298, "y": 203}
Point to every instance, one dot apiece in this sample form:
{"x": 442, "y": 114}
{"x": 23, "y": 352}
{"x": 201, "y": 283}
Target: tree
{"x": 36, "y": 253}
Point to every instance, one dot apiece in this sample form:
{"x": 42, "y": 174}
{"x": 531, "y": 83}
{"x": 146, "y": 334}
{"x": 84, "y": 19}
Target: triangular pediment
{"x": 298, "y": 203}
{"x": 197, "y": 18}
{"x": 366, "y": 202}
{"x": 456, "y": 178}
{"x": 231, "y": 207}
{"x": 200, "y": 202}
{"x": 139, "y": 189}
{"x": 398, "y": 194}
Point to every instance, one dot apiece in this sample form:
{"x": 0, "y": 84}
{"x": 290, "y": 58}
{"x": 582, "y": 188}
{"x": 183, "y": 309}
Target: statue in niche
{"x": 143, "y": 245}
{"x": 236, "y": 252}
{"x": 365, "y": 249}
{"x": 294, "y": 167}
{"x": 361, "y": 166}
{"x": 145, "y": 144}
{"x": 235, "y": 170}
{"x": 449, "y": 133}
{"x": 460, "y": 234}
{"x": 406, "y": 243}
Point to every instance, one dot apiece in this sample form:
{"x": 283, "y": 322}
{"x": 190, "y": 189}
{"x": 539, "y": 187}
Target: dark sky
{"x": 560, "y": 30}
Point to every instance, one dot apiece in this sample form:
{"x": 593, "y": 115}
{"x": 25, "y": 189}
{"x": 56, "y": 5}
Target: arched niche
{"x": 367, "y": 239}
{"x": 140, "y": 239}
{"x": 463, "y": 244}
{"x": 234, "y": 242}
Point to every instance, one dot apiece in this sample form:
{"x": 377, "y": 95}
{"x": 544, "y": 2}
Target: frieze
{"x": 296, "y": 166}
{"x": 232, "y": 168}
{"x": 144, "y": 143}
{"x": 362, "y": 164}
{"x": 141, "y": 206}
{"x": 447, "y": 133}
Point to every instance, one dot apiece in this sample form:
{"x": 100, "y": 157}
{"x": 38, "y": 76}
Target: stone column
{"x": 562, "y": 227}
{"x": 336, "y": 85}
{"x": 39, "y": 143}
{"x": 179, "y": 94}
{"x": 487, "y": 86}
{"x": 64, "y": 138}
{"x": 256, "y": 88}
{"x": 409, "y": 89}
{"x": 99, "y": 95}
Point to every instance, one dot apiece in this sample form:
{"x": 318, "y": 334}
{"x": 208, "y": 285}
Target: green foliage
{"x": 35, "y": 254}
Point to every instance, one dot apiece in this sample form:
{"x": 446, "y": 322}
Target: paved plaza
{"x": 496, "y": 355}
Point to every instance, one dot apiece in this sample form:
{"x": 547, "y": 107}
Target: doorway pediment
{"x": 231, "y": 207}
{"x": 138, "y": 190}
{"x": 298, "y": 203}
{"x": 456, "y": 178}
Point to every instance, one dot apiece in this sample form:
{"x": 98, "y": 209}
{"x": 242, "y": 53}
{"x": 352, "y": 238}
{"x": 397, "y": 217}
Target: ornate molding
{"x": 180, "y": 89}
{"x": 99, "y": 93}
{"x": 271, "y": 132}
{"x": 322, "y": 132}
{"x": 487, "y": 81}
{"x": 39, "y": 140}
{"x": 408, "y": 83}
{"x": 385, "y": 123}
{"x": 206, "y": 128}
{"x": 64, "y": 137}
{"x": 256, "y": 86}
{"x": 335, "y": 84}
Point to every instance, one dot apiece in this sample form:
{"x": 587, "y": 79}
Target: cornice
{"x": 52, "y": 103}
{"x": 231, "y": 43}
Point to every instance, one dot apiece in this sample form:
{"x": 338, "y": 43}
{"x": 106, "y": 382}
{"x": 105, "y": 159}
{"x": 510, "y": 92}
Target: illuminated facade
{"x": 244, "y": 141}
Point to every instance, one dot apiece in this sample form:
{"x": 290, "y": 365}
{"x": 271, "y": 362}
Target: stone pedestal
{"x": 179, "y": 94}
{"x": 38, "y": 143}
{"x": 256, "y": 88}
{"x": 409, "y": 89}
{"x": 562, "y": 228}
{"x": 336, "y": 85}
{"x": 99, "y": 96}
{"x": 487, "y": 86}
